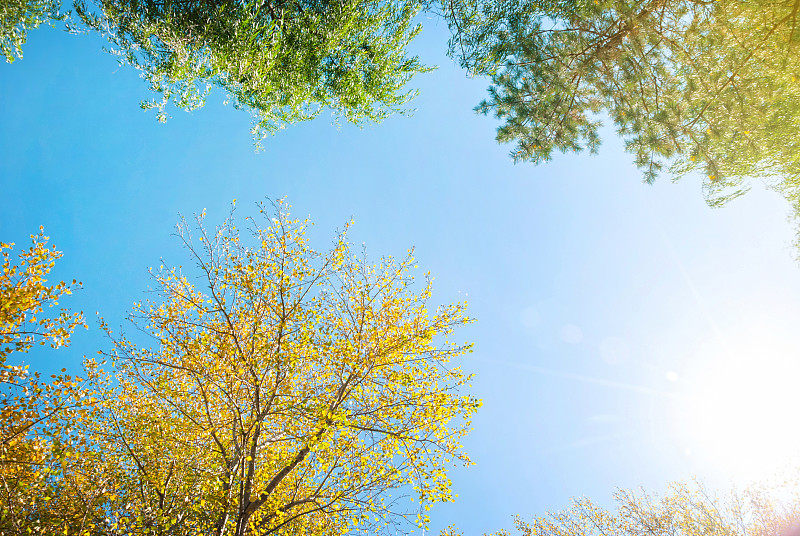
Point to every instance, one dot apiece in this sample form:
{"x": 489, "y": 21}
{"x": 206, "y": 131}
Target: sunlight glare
{"x": 744, "y": 412}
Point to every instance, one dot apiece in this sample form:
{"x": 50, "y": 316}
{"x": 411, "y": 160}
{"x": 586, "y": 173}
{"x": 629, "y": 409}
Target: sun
{"x": 744, "y": 411}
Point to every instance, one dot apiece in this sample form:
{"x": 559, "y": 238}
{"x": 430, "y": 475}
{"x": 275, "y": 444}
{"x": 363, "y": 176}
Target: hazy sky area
{"x": 626, "y": 334}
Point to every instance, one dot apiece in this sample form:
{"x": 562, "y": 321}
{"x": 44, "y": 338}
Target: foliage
{"x": 35, "y": 415}
{"x": 40, "y": 493}
{"x": 24, "y": 295}
{"x": 19, "y": 16}
{"x": 765, "y": 509}
{"x": 290, "y": 392}
{"x": 691, "y": 85}
{"x": 284, "y": 60}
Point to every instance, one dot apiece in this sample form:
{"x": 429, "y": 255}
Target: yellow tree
{"x": 34, "y": 414}
{"x": 24, "y": 296}
{"x": 288, "y": 392}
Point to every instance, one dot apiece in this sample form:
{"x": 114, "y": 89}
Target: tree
{"x": 687, "y": 509}
{"x": 24, "y": 295}
{"x": 290, "y": 392}
{"x": 284, "y": 60}
{"x": 35, "y": 415}
{"x": 19, "y": 16}
{"x": 691, "y": 85}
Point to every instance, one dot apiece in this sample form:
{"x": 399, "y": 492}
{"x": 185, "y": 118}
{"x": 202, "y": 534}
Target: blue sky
{"x": 606, "y": 309}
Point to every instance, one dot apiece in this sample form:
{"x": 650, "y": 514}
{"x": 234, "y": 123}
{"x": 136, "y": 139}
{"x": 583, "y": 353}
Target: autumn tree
{"x": 26, "y": 299}
{"x": 687, "y": 509}
{"x": 35, "y": 413}
{"x": 278, "y": 390}
{"x": 690, "y": 85}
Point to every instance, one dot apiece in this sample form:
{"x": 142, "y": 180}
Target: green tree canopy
{"x": 19, "y": 16}
{"x": 691, "y": 85}
{"x": 284, "y": 60}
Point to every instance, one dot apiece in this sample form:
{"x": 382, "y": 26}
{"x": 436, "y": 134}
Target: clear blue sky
{"x": 609, "y": 312}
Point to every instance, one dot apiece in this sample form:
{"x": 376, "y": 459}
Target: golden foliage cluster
{"x": 275, "y": 390}
{"x": 34, "y": 413}
{"x": 24, "y": 296}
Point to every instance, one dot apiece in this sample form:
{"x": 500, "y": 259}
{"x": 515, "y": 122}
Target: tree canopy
{"x": 25, "y": 299}
{"x": 770, "y": 508}
{"x": 19, "y": 16}
{"x": 283, "y": 60}
{"x": 289, "y": 392}
{"x": 690, "y": 85}
{"x": 34, "y": 413}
